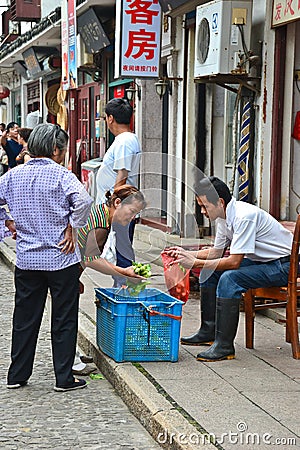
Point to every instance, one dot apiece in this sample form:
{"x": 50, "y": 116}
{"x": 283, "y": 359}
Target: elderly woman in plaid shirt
{"x": 44, "y": 199}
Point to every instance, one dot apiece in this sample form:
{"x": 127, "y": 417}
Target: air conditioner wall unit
{"x": 218, "y": 37}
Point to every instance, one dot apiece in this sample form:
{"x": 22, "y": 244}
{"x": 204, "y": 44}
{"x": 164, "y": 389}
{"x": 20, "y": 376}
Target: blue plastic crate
{"x": 129, "y": 328}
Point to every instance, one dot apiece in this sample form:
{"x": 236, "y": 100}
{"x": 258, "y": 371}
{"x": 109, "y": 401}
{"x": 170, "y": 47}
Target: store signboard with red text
{"x": 138, "y": 34}
{"x": 285, "y": 11}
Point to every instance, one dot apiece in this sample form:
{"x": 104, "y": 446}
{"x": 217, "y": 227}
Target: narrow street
{"x": 37, "y": 417}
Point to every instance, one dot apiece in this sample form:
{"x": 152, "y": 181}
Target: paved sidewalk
{"x": 251, "y": 402}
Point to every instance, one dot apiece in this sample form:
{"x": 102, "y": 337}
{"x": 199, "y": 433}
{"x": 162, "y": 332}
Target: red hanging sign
{"x": 119, "y": 92}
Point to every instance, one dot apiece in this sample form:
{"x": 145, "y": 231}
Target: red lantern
{"x": 4, "y": 92}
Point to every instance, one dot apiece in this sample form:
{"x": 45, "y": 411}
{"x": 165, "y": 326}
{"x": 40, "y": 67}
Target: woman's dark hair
{"x": 45, "y": 138}
{"x": 213, "y": 188}
{"x": 24, "y": 133}
{"x": 11, "y": 125}
{"x": 120, "y": 109}
{"x": 127, "y": 194}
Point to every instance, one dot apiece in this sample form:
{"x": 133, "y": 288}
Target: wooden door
{"x": 88, "y": 97}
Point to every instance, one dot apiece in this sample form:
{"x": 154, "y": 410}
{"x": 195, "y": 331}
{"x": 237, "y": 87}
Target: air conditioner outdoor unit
{"x": 220, "y": 25}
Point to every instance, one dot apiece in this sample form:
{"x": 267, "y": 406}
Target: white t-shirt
{"x": 252, "y": 231}
{"x": 124, "y": 153}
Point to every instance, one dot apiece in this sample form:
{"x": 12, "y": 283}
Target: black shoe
{"x": 227, "y": 318}
{"x": 198, "y": 339}
{"x": 206, "y": 334}
{"x": 216, "y": 353}
{"x": 16, "y": 385}
{"x": 86, "y": 359}
{"x": 77, "y": 384}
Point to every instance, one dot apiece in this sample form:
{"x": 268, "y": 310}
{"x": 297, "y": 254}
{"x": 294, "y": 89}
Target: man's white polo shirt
{"x": 252, "y": 231}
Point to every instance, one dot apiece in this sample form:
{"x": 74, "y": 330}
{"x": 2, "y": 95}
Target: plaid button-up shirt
{"x": 43, "y": 198}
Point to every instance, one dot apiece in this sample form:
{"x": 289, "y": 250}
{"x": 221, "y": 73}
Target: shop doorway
{"x": 90, "y": 130}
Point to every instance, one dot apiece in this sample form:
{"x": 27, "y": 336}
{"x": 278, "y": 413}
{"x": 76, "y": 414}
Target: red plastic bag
{"x": 177, "y": 278}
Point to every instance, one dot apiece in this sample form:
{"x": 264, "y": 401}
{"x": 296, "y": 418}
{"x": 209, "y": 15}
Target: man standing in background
{"x": 9, "y": 141}
{"x": 3, "y": 155}
{"x": 120, "y": 166}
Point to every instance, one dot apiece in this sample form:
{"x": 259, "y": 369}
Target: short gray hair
{"x": 45, "y": 138}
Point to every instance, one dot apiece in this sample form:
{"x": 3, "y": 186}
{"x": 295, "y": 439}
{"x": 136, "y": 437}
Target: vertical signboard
{"x": 68, "y": 44}
{"x": 72, "y": 44}
{"x": 138, "y": 23}
{"x": 64, "y": 45}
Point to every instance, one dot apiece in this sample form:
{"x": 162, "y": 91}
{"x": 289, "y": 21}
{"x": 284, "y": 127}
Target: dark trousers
{"x": 124, "y": 250}
{"x": 30, "y": 298}
{"x": 124, "y": 239}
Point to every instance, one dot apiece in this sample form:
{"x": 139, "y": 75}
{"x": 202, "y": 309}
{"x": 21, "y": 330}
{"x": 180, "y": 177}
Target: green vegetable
{"x": 182, "y": 268}
{"x": 134, "y": 289}
{"x": 96, "y": 376}
{"x": 142, "y": 269}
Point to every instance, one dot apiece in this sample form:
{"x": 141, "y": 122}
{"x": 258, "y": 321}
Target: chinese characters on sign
{"x": 69, "y": 52}
{"x": 64, "y": 46}
{"x": 92, "y": 32}
{"x": 140, "y": 38}
{"x": 285, "y": 11}
{"x": 72, "y": 44}
{"x": 31, "y": 61}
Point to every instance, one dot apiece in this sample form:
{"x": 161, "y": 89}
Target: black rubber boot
{"x": 206, "y": 334}
{"x": 227, "y": 319}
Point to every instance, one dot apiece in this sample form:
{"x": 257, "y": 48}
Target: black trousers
{"x": 30, "y": 298}
{"x": 124, "y": 239}
{"x": 124, "y": 250}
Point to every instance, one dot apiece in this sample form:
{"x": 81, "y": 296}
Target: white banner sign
{"x": 140, "y": 30}
{"x": 285, "y": 11}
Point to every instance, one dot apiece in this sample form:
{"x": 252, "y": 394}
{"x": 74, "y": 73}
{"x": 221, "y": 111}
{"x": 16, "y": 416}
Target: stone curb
{"x": 165, "y": 424}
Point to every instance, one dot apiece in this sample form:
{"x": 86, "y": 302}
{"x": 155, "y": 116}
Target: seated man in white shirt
{"x": 260, "y": 249}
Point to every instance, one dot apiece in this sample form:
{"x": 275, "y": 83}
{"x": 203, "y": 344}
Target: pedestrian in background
{"x": 260, "y": 249}
{"x": 3, "y": 155}
{"x": 44, "y": 199}
{"x": 23, "y": 136}
{"x": 120, "y": 166}
{"x": 9, "y": 141}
